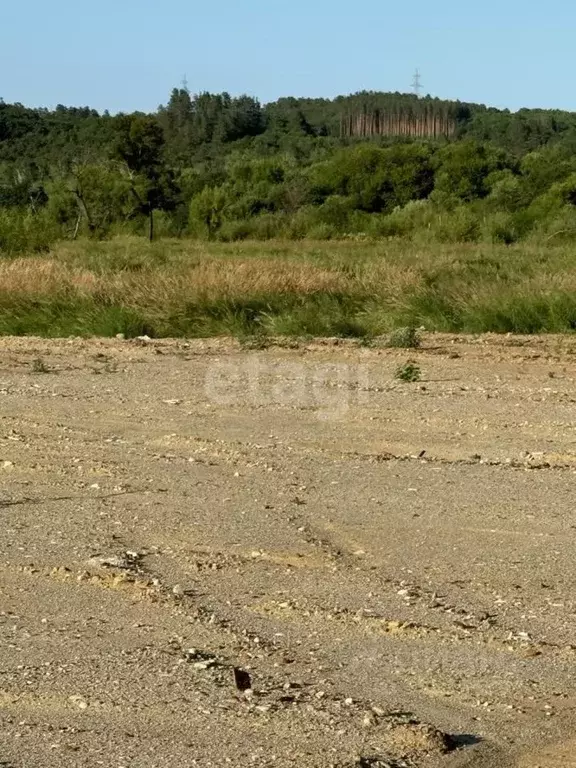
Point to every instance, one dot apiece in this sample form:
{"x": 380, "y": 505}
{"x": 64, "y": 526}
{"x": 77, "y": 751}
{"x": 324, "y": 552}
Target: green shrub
{"x": 404, "y": 338}
{"x": 22, "y": 231}
{"x": 464, "y": 168}
{"x": 508, "y": 193}
{"x": 559, "y": 226}
{"x": 269, "y": 226}
{"x": 207, "y": 212}
{"x": 322, "y": 231}
{"x": 415, "y": 216}
{"x": 231, "y": 231}
{"x": 500, "y": 227}
{"x": 408, "y": 372}
{"x": 463, "y": 225}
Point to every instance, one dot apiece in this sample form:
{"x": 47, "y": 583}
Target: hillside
{"x": 217, "y": 167}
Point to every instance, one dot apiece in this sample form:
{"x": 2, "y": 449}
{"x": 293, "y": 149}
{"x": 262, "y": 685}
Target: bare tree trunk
{"x": 77, "y": 227}
{"x": 84, "y": 210}
{"x": 151, "y": 228}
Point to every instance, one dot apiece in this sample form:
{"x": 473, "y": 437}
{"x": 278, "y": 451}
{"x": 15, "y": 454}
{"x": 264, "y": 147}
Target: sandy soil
{"x": 392, "y": 563}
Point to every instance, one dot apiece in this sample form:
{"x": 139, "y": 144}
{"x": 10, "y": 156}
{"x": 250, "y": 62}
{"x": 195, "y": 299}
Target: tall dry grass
{"x": 213, "y": 281}
{"x": 346, "y": 288}
{"x": 44, "y": 276}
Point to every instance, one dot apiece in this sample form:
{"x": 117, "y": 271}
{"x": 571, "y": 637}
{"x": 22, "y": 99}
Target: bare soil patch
{"x": 392, "y": 563}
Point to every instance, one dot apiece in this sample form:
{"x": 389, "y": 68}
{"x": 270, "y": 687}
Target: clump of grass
{"x": 39, "y": 366}
{"x": 104, "y": 364}
{"x": 404, "y": 338}
{"x": 58, "y": 317}
{"x": 408, "y": 372}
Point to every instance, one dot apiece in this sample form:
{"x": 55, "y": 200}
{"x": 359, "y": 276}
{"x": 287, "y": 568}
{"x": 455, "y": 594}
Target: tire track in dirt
{"x": 394, "y": 736}
{"x": 235, "y": 474}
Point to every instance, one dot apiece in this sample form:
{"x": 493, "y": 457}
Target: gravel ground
{"x": 391, "y": 563}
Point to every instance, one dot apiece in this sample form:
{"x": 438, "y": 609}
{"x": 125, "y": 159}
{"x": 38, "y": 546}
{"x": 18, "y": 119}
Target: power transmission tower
{"x": 417, "y": 83}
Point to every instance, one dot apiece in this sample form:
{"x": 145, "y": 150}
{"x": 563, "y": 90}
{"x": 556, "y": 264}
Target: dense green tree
{"x": 547, "y": 166}
{"x": 376, "y": 179}
{"x": 103, "y": 196}
{"x": 177, "y": 119}
{"x": 463, "y": 169}
{"x": 207, "y": 211}
{"x": 140, "y": 146}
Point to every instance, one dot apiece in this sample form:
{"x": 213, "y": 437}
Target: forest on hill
{"x": 212, "y": 166}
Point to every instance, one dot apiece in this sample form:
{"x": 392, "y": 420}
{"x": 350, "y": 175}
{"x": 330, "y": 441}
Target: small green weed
{"x": 408, "y": 372}
{"x": 404, "y": 338}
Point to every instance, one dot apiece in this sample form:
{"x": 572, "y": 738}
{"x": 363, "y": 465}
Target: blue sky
{"x": 128, "y": 54}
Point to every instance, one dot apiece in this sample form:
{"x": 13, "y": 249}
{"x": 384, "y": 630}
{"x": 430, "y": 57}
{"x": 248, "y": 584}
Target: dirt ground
{"x": 392, "y": 563}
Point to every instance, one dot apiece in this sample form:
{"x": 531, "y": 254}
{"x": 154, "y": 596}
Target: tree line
{"x": 221, "y": 167}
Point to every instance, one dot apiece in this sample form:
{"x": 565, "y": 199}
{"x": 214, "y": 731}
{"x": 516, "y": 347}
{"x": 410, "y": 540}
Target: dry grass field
{"x": 362, "y": 289}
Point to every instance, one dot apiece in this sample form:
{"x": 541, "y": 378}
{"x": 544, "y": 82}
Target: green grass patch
{"x": 254, "y": 290}
{"x": 58, "y": 319}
